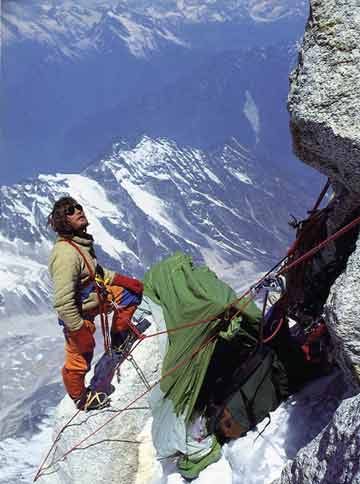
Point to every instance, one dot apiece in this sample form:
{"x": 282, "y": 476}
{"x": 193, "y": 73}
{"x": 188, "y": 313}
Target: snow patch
{"x": 240, "y": 176}
{"x": 150, "y": 204}
{"x": 252, "y": 114}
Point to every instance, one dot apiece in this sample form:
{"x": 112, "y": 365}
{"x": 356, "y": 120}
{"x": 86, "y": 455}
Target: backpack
{"x": 257, "y": 388}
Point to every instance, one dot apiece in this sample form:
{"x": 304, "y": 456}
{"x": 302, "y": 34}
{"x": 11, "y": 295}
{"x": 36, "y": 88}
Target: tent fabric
{"x": 188, "y": 294}
{"x": 170, "y": 432}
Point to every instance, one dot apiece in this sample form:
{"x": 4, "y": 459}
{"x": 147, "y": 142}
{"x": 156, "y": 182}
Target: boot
{"x": 92, "y": 400}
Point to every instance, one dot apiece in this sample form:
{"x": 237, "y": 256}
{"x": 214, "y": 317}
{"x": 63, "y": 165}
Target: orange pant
{"x": 78, "y": 364}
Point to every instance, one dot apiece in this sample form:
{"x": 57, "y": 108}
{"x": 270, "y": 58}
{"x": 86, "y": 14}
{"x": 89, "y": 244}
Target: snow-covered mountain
{"x": 226, "y": 207}
{"x": 72, "y": 29}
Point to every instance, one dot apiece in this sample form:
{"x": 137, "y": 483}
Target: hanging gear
{"x": 184, "y": 360}
{"x": 316, "y": 342}
{"x": 139, "y": 371}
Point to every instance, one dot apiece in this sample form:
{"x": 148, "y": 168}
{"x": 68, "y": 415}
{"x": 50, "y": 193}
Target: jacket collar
{"x": 83, "y": 239}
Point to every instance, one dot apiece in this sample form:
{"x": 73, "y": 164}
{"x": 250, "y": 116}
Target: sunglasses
{"x": 71, "y": 210}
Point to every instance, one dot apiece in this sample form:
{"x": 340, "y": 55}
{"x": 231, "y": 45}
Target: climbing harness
{"x": 100, "y": 291}
{"x": 130, "y": 324}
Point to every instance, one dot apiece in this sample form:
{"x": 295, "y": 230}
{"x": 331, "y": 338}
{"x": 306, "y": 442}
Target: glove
{"x": 83, "y": 338}
{"x": 130, "y": 283}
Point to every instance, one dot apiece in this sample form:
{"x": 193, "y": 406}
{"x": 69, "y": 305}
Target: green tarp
{"x": 188, "y": 294}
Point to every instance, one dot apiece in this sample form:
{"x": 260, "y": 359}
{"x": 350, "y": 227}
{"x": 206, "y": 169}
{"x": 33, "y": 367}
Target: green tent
{"x": 188, "y": 294}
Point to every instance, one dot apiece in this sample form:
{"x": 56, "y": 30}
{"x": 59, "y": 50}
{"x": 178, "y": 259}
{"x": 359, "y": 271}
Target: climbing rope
{"x": 309, "y": 254}
{"x": 313, "y": 218}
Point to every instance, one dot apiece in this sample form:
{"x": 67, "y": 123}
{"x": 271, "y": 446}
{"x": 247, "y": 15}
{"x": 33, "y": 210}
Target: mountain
{"x": 167, "y": 121}
{"x": 137, "y": 23}
{"x": 226, "y": 207}
{"x": 66, "y": 67}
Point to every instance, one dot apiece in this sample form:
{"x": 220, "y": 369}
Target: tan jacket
{"x": 70, "y": 275}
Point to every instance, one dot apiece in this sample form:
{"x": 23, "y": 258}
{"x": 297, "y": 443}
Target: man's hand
{"x": 83, "y": 338}
{"x": 130, "y": 283}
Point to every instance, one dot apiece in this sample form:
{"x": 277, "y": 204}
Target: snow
{"x": 139, "y": 38}
{"x": 7, "y": 278}
{"x": 268, "y": 11}
{"x": 215, "y": 201}
{"x": 212, "y": 176}
{"x": 240, "y": 176}
{"x": 19, "y": 458}
{"x": 18, "y": 271}
{"x": 147, "y": 153}
{"x": 71, "y": 28}
{"x": 90, "y": 191}
{"x": 259, "y": 459}
{"x": 150, "y": 204}
{"x": 239, "y": 276}
{"x": 253, "y": 215}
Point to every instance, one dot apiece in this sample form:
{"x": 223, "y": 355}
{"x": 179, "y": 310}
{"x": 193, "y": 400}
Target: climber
{"x": 83, "y": 289}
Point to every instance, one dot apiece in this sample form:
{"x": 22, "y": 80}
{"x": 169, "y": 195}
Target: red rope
{"x": 320, "y": 246}
{"x": 321, "y": 196}
{"x": 201, "y": 321}
{"x": 172, "y": 370}
{"x": 296, "y": 242}
{"x": 68, "y": 423}
{"x": 278, "y": 327}
{"x": 135, "y": 330}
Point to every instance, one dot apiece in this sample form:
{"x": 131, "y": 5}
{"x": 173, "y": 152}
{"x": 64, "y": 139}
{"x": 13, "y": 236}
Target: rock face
{"x": 333, "y": 456}
{"x": 324, "y": 104}
{"x": 343, "y": 312}
{"x": 324, "y": 99}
